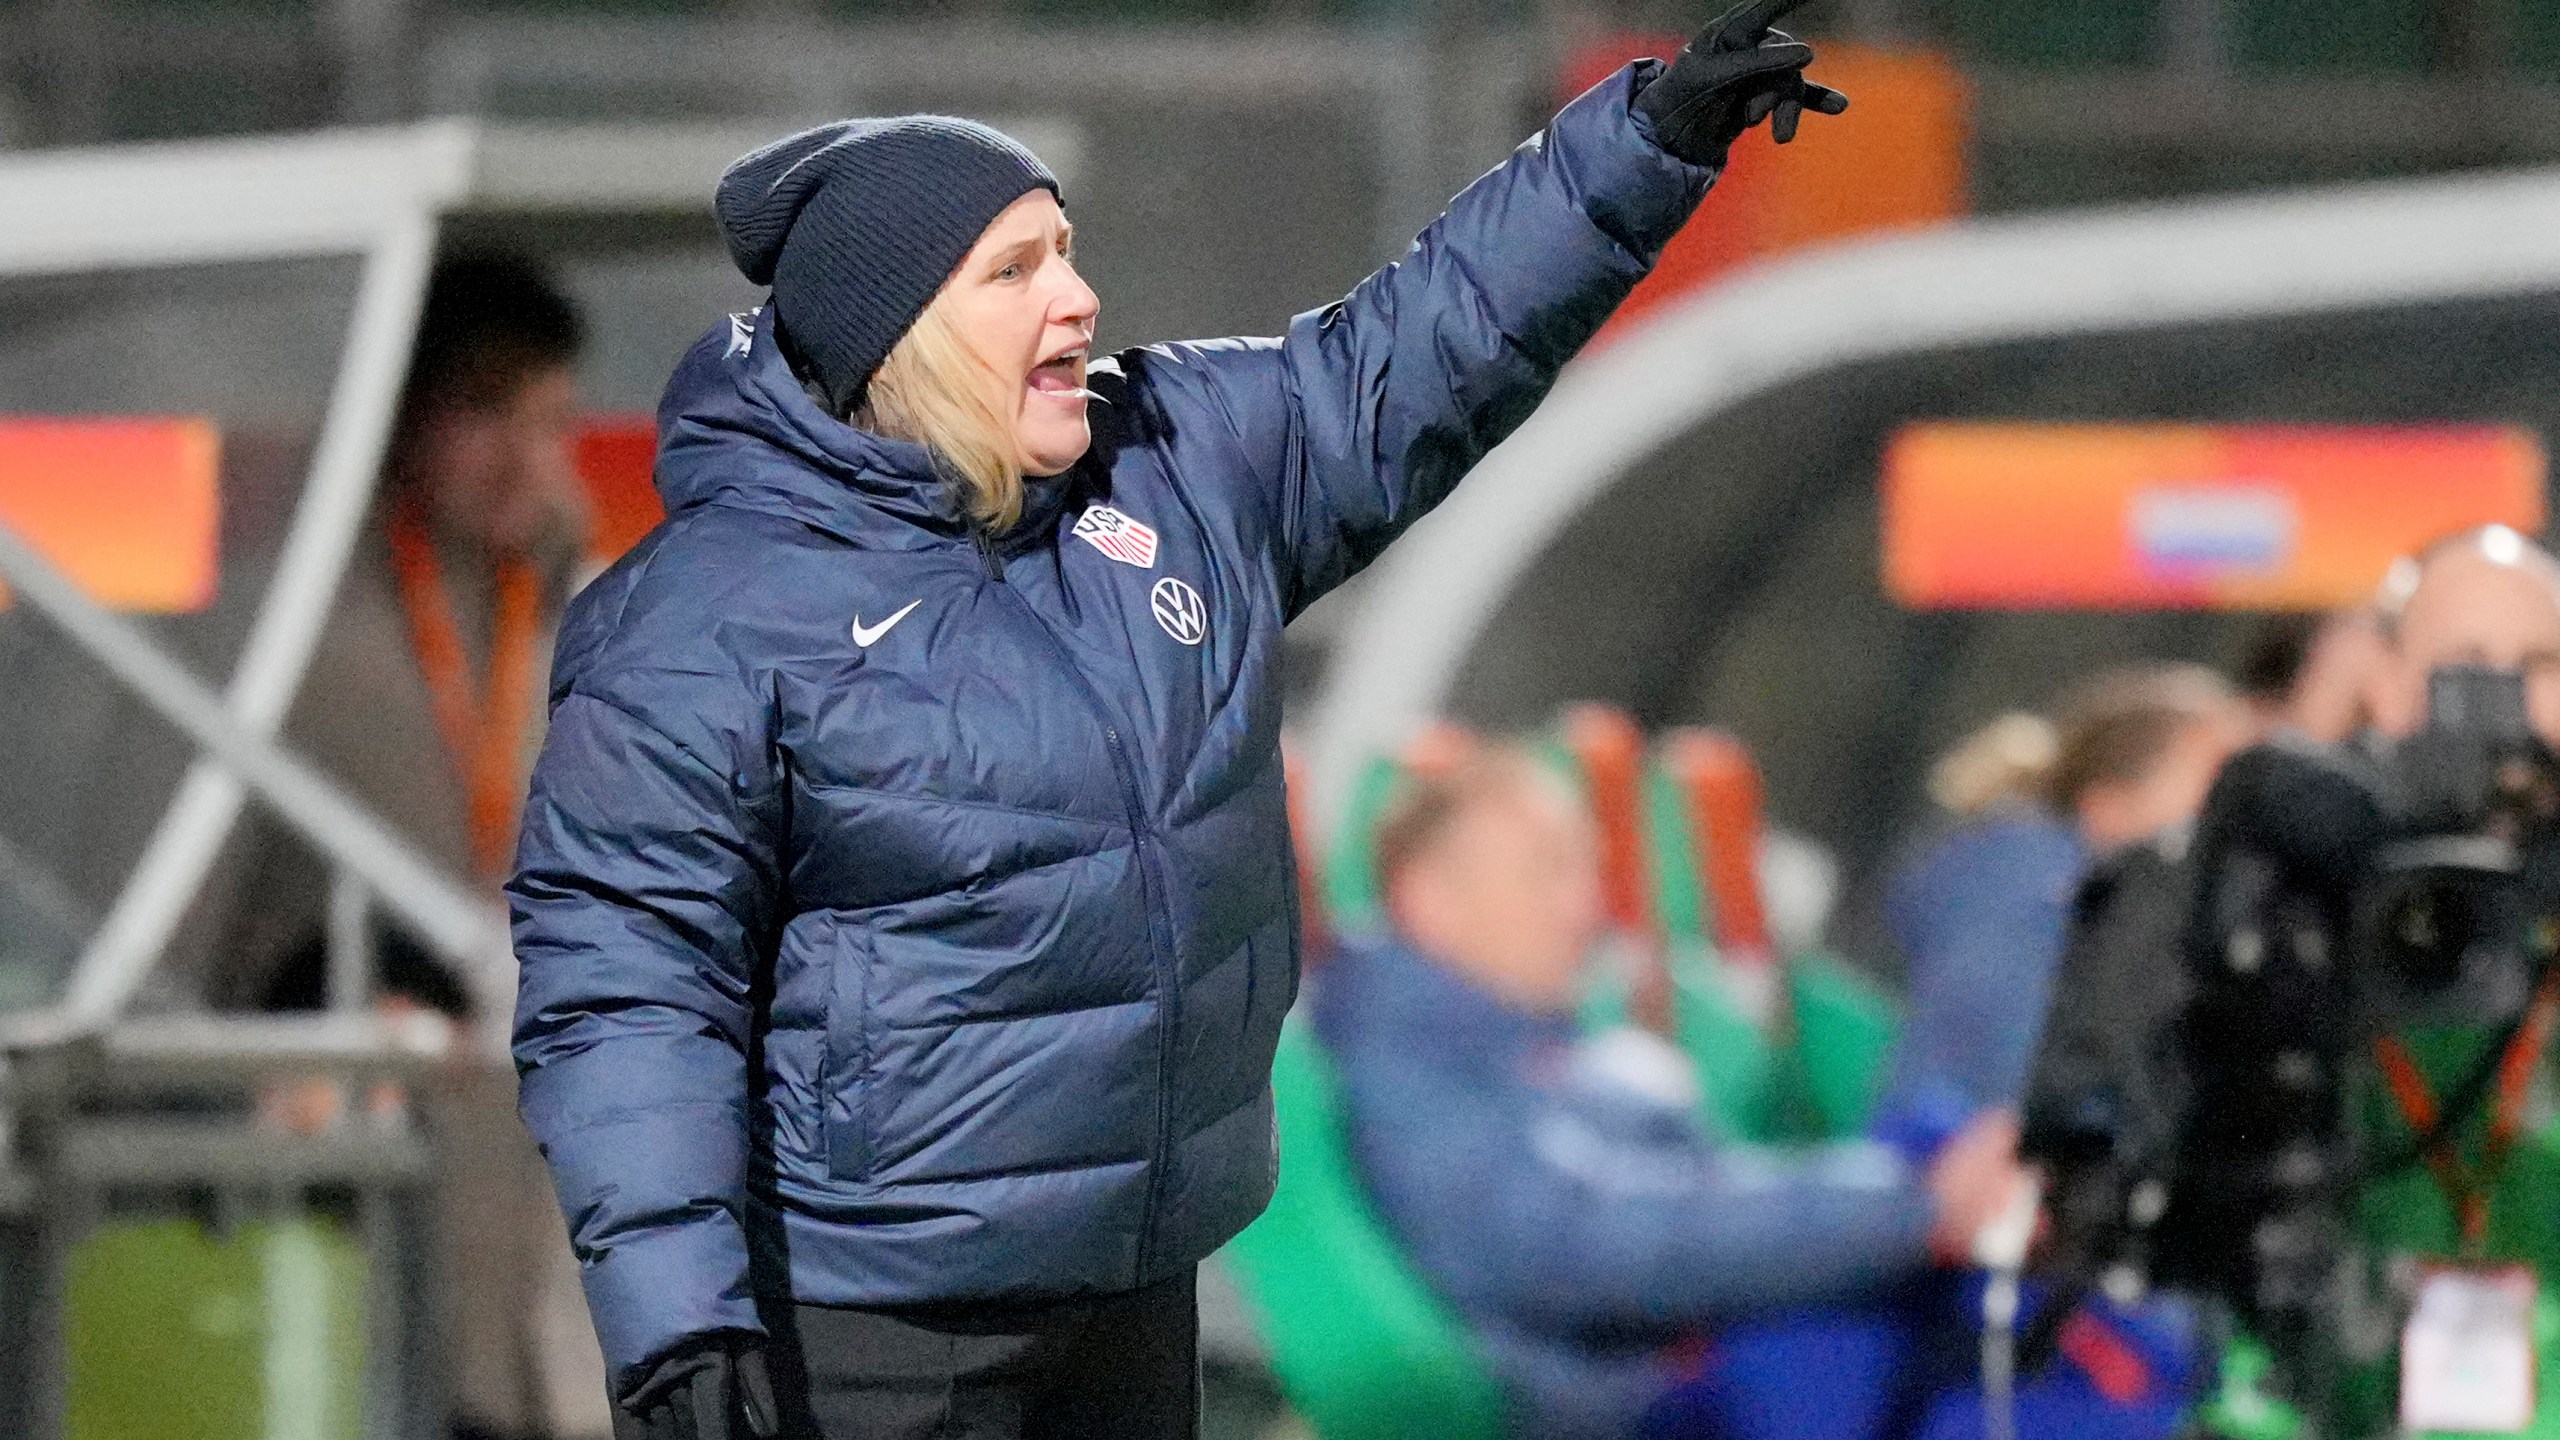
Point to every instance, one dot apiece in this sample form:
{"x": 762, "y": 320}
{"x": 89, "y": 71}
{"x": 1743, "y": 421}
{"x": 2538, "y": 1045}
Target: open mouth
{"x": 1061, "y": 375}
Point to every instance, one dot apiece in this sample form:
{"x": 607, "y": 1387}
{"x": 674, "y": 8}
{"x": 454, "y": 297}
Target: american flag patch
{"x": 1127, "y": 540}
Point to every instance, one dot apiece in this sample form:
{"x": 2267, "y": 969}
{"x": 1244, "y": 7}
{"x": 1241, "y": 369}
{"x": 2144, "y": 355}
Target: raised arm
{"x": 644, "y": 886}
{"x": 1397, "y": 390}
{"x": 1370, "y": 410}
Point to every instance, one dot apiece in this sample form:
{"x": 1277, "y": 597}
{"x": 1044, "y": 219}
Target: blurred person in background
{"x": 2487, "y": 597}
{"x": 2076, "y": 850}
{"x": 1980, "y": 907}
{"x": 904, "y": 905}
{"x": 1991, "y": 791}
{"x": 2285, "y": 996}
{"x": 1559, "y": 1191}
{"x": 425, "y": 700}
{"x": 2140, "y": 749}
{"x": 2306, "y": 672}
{"x": 2002, "y": 770}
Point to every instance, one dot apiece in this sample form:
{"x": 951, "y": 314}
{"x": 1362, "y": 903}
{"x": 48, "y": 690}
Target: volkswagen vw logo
{"x": 1179, "y": 610}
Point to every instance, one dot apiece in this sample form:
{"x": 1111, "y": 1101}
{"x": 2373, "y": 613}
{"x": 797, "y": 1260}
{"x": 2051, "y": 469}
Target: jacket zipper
{"x": 1168, "y": 980}
{"x": 987, "y": 554}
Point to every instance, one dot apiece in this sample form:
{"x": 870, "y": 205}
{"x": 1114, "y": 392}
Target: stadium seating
{"x": 1363, "y": 1349}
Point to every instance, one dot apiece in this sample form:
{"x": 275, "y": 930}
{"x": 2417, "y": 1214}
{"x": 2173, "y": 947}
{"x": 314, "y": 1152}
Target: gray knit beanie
{"x": 857, "y": 223}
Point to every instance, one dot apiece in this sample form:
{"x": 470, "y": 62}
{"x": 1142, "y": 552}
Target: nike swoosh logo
{"x": 866, "y": 637}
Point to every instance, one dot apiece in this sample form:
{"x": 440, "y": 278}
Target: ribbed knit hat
{"x": 857, "y": 223}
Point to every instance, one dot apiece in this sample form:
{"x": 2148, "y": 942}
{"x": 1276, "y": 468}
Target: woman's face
{"x": 1019, "y": 303}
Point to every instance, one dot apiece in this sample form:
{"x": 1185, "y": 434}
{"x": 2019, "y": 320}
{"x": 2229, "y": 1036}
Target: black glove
{"x": 1731, "y": 76}
{"x": 718, "y": 1390}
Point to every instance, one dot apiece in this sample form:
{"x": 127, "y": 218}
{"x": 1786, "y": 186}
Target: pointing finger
{"x": 1823, "y": 100}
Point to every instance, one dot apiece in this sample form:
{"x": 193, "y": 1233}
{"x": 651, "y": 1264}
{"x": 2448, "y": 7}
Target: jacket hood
{"x": 736, "y": 428}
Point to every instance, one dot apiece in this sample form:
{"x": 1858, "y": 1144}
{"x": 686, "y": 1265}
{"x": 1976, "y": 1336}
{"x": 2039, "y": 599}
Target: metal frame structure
{"x": 378, "y": 196}
{"x": 373, "y": 195}
{"x": 1420, "y": 612}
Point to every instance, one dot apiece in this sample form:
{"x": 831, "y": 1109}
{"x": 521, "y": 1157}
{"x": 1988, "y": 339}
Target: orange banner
{"x": 129, "y": 508}
{"x": 1895, "y": 161}
{"x": 2188, "y": 517}
{"x": 617, "y": 457}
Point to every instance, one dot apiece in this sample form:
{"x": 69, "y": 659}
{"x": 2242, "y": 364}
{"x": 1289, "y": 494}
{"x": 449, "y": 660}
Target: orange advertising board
{"x": 617, "y": 457}
{"x": 129, "y": 508}
{"x": 2193, "y": 517}
{"x": 1895, "y": 161}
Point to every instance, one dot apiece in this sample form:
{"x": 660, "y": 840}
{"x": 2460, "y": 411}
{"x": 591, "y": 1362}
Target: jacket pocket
{"x": 845, "y": 1082}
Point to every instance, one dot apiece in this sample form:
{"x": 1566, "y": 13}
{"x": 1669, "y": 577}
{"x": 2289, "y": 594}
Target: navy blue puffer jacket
{"x": 907, "y": 915}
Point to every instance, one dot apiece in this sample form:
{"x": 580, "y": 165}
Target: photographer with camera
{"x": 2369, "y": 992}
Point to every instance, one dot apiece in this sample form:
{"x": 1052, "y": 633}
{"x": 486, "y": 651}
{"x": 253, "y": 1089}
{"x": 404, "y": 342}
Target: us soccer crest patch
{"x": 1124, "y": 538}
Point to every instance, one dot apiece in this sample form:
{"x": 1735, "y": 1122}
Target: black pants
{"x": 1122, "y": 1368}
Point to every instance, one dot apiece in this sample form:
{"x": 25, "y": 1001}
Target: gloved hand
{"x": 718, "y": 1390}
{"x": 1732, "y": 75}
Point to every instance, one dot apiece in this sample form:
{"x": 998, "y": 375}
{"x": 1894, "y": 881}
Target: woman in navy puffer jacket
{"x": 904, "y": 901}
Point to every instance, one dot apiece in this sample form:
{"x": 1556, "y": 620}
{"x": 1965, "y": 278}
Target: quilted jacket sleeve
{"x": 1531, "y": 1208}
{"x": 645, "y": 879}
{"x": 1371, "y": 409}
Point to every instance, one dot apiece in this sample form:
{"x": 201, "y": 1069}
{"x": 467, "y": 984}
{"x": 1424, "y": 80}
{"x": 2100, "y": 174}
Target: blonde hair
{"x": 2115, "y": 728}
{"x": 2009, "y": 761}
{"x": 937, "y": 391}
